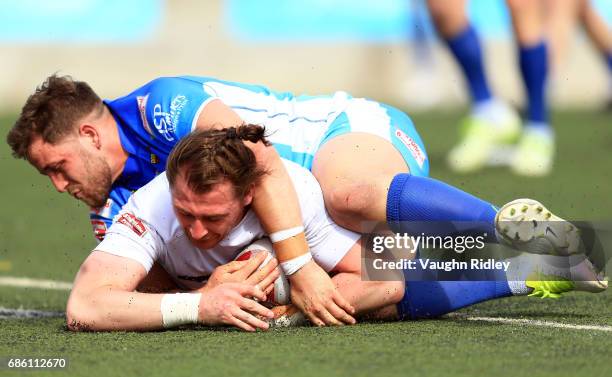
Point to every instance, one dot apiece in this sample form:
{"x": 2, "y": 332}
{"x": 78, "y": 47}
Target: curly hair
{"x": 52, "y": 112}
{"x": 211, "y": 156}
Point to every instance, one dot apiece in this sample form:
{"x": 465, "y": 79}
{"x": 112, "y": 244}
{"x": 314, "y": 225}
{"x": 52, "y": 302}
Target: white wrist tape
{"x": 284, "y": 234}
{"x": 292, "y": 266}
{"x": 180, "y": 309}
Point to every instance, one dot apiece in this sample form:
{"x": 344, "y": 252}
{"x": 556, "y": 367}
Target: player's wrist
{"x": 291, "y": 249}
{"x": 292, "y": 266}
{"x": 179, "y": 309}
{"x": 305, "y": 273}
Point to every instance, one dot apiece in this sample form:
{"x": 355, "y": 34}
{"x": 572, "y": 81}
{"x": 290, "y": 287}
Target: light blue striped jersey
{"x": 155, "y": 116}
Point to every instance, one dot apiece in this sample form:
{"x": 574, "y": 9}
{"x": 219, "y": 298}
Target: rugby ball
{"x": 281, "y": 293}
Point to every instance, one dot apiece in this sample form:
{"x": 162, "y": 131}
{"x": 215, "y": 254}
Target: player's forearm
{"x": 275, "y": 196}
{"x": 111, "y": 309}
{"x": 276, "y": 203}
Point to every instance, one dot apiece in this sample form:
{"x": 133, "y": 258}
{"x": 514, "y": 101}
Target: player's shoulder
{"x": 306, "y": 185}
{"x": 169, "y": 106}
{"x": 297, "y": 172}
{"x": 152, "y": 203}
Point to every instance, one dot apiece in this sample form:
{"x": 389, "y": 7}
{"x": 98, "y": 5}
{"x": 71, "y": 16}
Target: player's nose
{"x": 198, "y": 230}
{"x": 59, "y": 182}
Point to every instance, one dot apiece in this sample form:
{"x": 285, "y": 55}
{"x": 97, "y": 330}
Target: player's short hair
{"x": 52, "y": 112}
{"x": 208, "y": 157}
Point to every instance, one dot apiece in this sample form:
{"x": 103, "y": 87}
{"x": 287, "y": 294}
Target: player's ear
{"x": 248, "y": 196}
{"x": 91, "y": 133}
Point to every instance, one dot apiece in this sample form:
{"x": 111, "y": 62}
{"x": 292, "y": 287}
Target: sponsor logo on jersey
{"x": 99, "y": 229}
{"x": 132, "y": 222}
{"x": 165, "y": 121}
{"x": 105, "y": 210}
{"x": 142, "y": 109}
{"x": 412, "y": 146}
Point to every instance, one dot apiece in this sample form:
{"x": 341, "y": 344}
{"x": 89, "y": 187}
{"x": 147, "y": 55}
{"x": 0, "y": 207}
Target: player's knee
{"x": 348, "y": 200}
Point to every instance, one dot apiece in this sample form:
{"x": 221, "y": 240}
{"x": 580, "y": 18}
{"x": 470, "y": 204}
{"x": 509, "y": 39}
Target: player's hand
{"x": 232, "y": 304}
{"x": 246, "y": 272}
{"x": 313, "y": 292}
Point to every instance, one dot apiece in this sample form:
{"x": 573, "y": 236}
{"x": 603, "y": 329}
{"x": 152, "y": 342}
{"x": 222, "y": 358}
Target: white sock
{"x": 523, "y": 265}
{"x": 492, "y": 111}
{"x": 541, "y": 129}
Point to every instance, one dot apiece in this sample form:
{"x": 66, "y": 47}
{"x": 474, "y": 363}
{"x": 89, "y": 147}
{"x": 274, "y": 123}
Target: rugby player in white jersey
{"x": 194, "y": 219}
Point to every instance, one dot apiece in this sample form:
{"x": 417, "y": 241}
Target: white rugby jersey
{"x": 147, "y": 231}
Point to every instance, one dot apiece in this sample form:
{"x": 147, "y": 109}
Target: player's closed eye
{"x": 55, "y": 168}
{"x": 185, "y": 215}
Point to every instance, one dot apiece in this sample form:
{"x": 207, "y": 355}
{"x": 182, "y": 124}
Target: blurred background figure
{"x": 535, "y": 151}
{"x": 562, "y": 19}
{"x": 422, "y": 90}
{"x": 491, "y": 122}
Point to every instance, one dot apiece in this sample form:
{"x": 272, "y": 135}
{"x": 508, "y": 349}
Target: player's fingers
{"x": 250, "y": 320}
{"x": 269, "y": 280}
{"x": 264, "y": 280}
{"x": 328, "y": 318}
{"x": 322, "y": 316}
{"x": 258, "y": 276}
{"x": 233, "y": 266}
{"x": 252, "y": 264}
{"x": 267, "y": 269}
{"x": 341, "y": 315}
{"x": 254, "y": 291}
{"x": 343, "y": 303}
{"x": 315, "y": 320}
{"x": 236, "y": 322}
{"x": 268, "y": 289}
{"x": 255, "y": 308}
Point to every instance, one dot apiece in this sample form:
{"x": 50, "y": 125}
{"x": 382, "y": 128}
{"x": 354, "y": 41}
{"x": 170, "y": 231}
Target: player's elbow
{"x": 78, "y": 316}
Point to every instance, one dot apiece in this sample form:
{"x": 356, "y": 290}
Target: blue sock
{"x": 418, "y": 205}
{"x": 430, "y": 299}
{"x": 428, "y": 295}
{"x": 465, "y": 46}
{"x": 533, "y": 61}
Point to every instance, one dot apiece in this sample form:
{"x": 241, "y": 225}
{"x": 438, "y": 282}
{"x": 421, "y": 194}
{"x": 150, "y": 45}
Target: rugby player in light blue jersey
{"x": 367, "y": 156}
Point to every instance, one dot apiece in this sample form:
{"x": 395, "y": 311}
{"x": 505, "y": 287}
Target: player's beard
{"x": 98, "y": 183}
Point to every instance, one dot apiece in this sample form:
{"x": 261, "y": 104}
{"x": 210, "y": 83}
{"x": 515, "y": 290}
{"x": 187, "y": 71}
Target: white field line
{"x": 6, "y": 313}
{"x": 536, "y": 322}
{"x": 11, "y": 281}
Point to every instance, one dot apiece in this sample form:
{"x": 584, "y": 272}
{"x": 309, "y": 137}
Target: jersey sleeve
{"x": 133, "y": 238}
{"x": 172, "y": 106}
